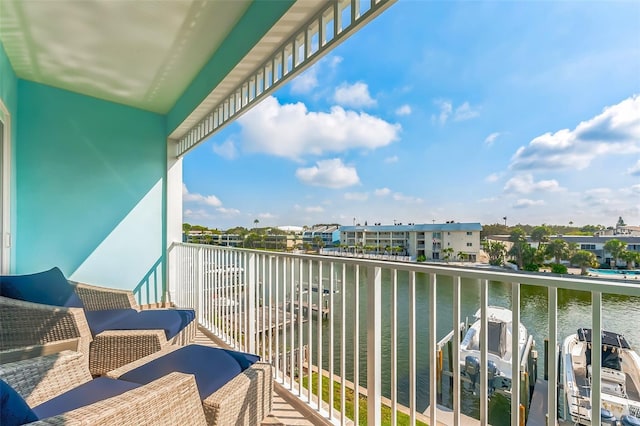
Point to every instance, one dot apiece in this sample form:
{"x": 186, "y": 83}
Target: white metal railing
{"x": 353, "y": 320}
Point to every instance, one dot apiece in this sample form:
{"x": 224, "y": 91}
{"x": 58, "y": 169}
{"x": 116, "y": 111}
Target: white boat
{"x": 499, "y": 353}
{"x": 619, "y": 379}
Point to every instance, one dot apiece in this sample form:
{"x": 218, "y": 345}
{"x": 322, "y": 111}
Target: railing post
{"x": 250, "y": 301}
{"x": 199, "y": 280}
{"x": 374, "y": 345}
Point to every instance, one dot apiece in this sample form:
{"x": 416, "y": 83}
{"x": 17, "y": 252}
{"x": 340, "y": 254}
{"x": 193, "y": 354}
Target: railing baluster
{"x": 277, "y": 315}
{"x": 374, "y": 346}
{"x": 412, "y": 347}
{"x": 433, "y": 351}
{"x": 394, "y": 346}
{"x": 552, "y": 396}
{"x": 356, "y": 347}
{"x": 484, "y": 358}
{"x": 343, "y": 356}
{"x": 331, "y": 341}
{"x": 456, "y": 350}
{"x": 515, "y": 350}
{"x": 292, "y": 370}
{"x": 596, "y": 356}
{"x": 310, "y": 335}
{"x": 320, "y": 346}
{"x": 300, "y": 321}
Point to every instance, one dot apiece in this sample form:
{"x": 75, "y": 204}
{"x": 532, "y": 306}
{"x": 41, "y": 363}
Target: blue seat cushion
{"x": 14, "y": 410}
{"x": 88, "y": 393}
{"x": 47, "y": 287}
{"x": 172, "y": 321}
{"x": 212, "y": 367}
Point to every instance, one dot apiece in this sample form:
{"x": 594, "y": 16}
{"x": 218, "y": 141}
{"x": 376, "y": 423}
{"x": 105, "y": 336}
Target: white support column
{"x": 374, "y": 345}
{"x": 433, "y": 351}
{"x": 199, "y": 280}
{"x": 173, "y": 208}
{"x": 484, "y": 358}
{"x": 456, "y": 350}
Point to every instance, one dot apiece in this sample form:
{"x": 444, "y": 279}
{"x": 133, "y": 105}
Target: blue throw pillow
{"x": 47, "y": 287}
{"x": 14, "y": 410}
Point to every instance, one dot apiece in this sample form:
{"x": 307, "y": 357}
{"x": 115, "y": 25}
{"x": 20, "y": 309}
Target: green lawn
{"x": 403, "y": 419}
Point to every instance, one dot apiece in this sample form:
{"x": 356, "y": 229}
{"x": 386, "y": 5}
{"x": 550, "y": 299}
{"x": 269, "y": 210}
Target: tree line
{"x": 531, "y": 258}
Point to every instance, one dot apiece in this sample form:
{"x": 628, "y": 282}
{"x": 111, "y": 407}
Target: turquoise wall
{"x": 254, "y": 24}
{"x": 9, "y": 96}
{"x": 90, "y": 179}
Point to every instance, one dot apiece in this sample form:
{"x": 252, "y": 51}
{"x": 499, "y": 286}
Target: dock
{"x": 314, "y": 309}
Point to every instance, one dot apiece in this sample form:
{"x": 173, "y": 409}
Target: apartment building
{"x": 433, "y": 241}
{"x": 328, "y": 234}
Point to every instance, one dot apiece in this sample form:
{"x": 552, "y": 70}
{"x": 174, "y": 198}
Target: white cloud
{"x": 403, "y": 110}
{"x": 524, "y": 184}
{"x": 382, "y": 192}
{"x": 489, "y": 140}
{"x": 523, "y": 203}
{"x": 635, "y": 169}
{"x": 314, "y": 209}
{"x": 292, "y": 131}
{"x": 445, "y": 110}
{"x": 356, "y": 196}
{"x": 329, "y": 173}
{"x": 354, "y": 95}
{"x": 227, "y": 211}
{"x": 493, "y": 177}
{"x": 635, "y": 188}
{"x": 406, "y": 198}
{"x": 461, "y": 113}
{"x": 267, "y": 216}
{"x": 226, "y": 149}
{"x": 392, "y": 159}
{"x": 615, "y": 131}
{"x": 210, "y": 200}
{"x": 305, "y": 82}
{"x": 465, "y": 112}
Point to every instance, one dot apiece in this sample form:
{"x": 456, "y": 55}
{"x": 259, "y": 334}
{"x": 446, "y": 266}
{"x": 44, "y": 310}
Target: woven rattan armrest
{"x": 97, "y": 298}
{"x": 26, "y": 352}
{"x": 170, "y": 400}
{"x": 24, "y": 324}
{"x": 42, "y": 378}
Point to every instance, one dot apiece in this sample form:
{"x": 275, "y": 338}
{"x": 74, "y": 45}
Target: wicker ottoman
{"x": 235, "y": 387}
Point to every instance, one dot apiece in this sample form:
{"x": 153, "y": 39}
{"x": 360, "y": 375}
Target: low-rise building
{"x": 438, "y": 241}
{"x": 325, "y": 236}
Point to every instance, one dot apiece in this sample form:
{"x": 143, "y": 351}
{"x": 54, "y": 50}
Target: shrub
{"x": 531, "y": 267}
{"x": 421, "y": 258}
{"x": 558, "y": 268}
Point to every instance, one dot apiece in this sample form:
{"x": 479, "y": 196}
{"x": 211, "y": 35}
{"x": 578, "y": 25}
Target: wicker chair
{"x": 245, "y": 400}
{"x": 25, "y": 324}
{"x": 172, "y": 399}
{"x": 114, "y": 348}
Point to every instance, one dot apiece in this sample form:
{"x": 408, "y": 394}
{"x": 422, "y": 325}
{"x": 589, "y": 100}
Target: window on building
{"x": 469, "y": 244}
{"x": 587, "y": 246}
{"x": 469, "y": 233}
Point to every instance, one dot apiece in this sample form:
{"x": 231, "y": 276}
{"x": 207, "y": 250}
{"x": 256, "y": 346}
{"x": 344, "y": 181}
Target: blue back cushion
{"x": 172, "y": 321}
{"x": 88, "y": 393}
{"x": 212, "y": 367}
{"x": 47, "y": 287}
{"x": 13, "y": 409}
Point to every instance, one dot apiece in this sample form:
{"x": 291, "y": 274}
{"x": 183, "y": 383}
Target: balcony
{"x": 378, "y": 324}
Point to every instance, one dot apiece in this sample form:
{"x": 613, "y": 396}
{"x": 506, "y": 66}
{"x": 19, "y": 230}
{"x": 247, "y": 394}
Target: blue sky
{"x": 436, "y": 111}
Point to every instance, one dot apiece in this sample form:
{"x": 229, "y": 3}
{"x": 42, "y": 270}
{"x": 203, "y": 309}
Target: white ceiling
{"x": 140, "y": 53}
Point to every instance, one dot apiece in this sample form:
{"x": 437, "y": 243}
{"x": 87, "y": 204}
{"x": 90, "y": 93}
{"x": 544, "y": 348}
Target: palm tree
{"x": 519, "y": 240}
{"x": 495, "y": 250}
{"x": 584, "y": 259}
{"x": 447, "y": 253}
{"x": 558, "y": 249}
{"x": 631, "y": 257}
{"x": 616, "y": 248}
{"x": 255, "y": 223}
